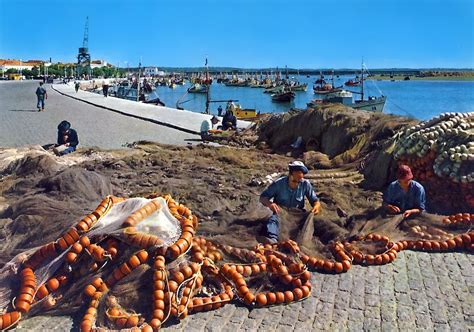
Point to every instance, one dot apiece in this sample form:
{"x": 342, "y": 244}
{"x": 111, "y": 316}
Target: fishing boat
{"x": 324, "y": 87}
{"x": 245, "y": 113}
{"x": 352, "y": 83}
{"x": 198, "y": 88}
{"x": 345, "y": 97}
{"x": 299, "y": 87}
{"x": 283, "y": 97}
{"x": 274, "y": 89}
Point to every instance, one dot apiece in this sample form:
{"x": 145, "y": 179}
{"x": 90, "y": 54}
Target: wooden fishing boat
{"x": 352, "y": 83}
{"x": 282, "y": 97}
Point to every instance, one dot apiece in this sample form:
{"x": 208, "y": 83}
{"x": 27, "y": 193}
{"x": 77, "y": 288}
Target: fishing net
{"x": 440, "y": 152}
{"x": 138, "y": 263}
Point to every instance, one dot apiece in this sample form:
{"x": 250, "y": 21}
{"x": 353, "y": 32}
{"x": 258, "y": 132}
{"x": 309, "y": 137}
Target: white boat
{"x": 344, "y": 97}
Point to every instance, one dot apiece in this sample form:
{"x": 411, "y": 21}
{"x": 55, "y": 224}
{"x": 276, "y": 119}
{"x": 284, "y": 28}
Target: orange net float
{"x": 142, "y": 213}
{"x": 388, "y": 255}
{"x": 9, "y": 319}
{"x": 96, "y": 288}
{"x": 46, "y": 252}
{"x": 96, "y": 252}
{"x": 103, "y": 207}
{"x": 50, "y": 286}
{"x": 112, "y": 247}
{"x": 89, "y": 317}
{"x": 27, "y": 290}
{"x": 142, "y": 240}
{"x": 459, "y": 218}
{"x": 88, "y": 221}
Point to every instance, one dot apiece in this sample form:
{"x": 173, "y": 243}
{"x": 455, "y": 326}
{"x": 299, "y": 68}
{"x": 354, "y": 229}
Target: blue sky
{"x": 244, "y": 33}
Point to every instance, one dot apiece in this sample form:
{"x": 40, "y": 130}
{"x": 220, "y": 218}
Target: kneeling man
{"x": 288, "y": 192}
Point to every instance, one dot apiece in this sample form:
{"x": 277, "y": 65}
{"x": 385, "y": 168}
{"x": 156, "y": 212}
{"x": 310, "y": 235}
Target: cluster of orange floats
{"x": 178, "y": 287}
{"x": 442, "y": 190}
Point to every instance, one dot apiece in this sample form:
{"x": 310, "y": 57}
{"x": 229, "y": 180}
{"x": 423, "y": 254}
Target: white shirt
{"x": 205, "y": 126}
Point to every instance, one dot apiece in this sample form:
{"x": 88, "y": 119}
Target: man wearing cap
{"x": 404, "y": 195}
{"x": 206, "y": 126}
{"x": 288, "y": 192}
{"x": 67, "y": 139}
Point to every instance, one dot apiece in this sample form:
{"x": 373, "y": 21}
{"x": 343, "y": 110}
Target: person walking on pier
{"x": 77, "y": 85}
{"x": 41, "y": 95}
{"x": 105, "y": 89}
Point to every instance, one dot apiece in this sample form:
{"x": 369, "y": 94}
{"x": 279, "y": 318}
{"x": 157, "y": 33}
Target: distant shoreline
{"x": 468, "y": 77}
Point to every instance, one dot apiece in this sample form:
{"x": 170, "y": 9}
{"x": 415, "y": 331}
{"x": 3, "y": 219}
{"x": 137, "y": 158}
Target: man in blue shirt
{"x": 288, "y": 192}
{"x": 404, "y": 195}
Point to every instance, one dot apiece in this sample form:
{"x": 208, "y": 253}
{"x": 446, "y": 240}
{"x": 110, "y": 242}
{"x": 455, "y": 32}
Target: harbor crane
{"x": 84, "y": 58}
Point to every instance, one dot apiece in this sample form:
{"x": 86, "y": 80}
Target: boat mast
{"x": 362, "y": 81}
{"x": 207, "y": 88}
{"x": 138, "y": 81}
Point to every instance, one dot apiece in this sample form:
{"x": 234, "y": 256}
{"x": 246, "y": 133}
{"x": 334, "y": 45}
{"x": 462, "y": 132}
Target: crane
{"x": 84, "y": 58}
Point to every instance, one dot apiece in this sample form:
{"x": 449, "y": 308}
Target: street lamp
{"x": 21, "y": 69}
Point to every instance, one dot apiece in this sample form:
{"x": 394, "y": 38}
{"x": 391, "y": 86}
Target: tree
{"x": 97, "y": 72}
{"x": 35, "y": 71}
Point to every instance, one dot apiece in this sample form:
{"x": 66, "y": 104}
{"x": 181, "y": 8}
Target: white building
{"x": 99, "y": 64}
{"x": 20, "y": 65}
{"x": 150, "y": 71}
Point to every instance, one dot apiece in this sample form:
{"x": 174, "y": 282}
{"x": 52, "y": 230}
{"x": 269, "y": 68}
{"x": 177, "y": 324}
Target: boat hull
{"x": 374, "y": 105}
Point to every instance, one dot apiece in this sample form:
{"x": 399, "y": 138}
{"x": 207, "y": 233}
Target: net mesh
{"x": 137, "y": 262}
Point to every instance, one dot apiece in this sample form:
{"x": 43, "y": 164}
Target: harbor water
{"x": 419, "y": 99}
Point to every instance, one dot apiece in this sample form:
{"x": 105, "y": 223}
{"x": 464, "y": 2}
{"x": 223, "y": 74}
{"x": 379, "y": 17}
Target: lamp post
{"x": 21, "y": 69}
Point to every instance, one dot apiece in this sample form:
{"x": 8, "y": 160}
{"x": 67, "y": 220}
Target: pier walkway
{"x": 107, "y": 123}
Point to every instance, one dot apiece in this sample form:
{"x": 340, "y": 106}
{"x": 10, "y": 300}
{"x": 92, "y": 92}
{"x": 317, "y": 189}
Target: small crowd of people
{"x": 229, "y": 122}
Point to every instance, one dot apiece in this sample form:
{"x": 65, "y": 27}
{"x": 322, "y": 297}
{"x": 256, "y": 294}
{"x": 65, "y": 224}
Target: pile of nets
{"x": 440, "y": 152}
{"x": 137, "y": 262}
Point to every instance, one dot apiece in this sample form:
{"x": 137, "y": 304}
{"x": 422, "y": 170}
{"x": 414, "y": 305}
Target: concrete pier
{"x": 103, "y": 122}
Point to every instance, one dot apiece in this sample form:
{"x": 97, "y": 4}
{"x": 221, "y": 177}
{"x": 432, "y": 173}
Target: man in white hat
{"x": 288, "y": 192}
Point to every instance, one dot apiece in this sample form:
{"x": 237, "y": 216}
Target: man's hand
{"x": 393, "y": 208}
{"x": 408, "y": 213}
{"x": 316, "y": 208}
{"x": 274, "y": 207}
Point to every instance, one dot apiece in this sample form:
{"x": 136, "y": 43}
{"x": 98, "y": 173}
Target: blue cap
{"x": 297, "y": 166}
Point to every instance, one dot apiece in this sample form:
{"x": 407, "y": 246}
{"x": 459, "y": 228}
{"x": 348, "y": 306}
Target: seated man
{"x": 229, "y": 121}
{"x": 205, "y": 127}
{"x": 67, "y": 139}
{"x": 404, "y": 195}
{"x": 288, "y": 192}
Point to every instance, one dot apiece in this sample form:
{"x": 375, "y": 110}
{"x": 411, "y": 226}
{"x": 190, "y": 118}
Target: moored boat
{"x": 284, "y": 96}
{"x": 198, "y": 88}
{"x": 352, "y": 83}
